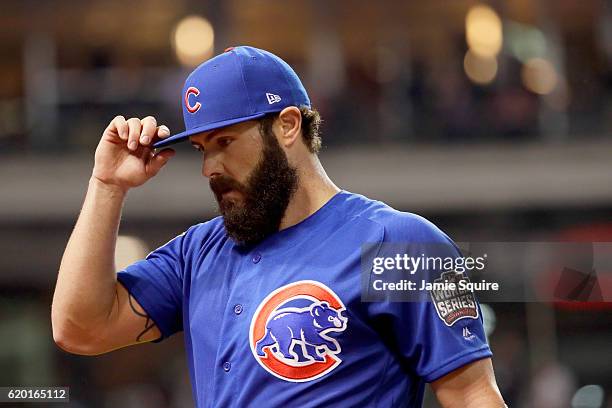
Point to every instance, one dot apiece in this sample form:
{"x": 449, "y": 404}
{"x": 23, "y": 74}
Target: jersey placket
{"x": 234, "y": 348}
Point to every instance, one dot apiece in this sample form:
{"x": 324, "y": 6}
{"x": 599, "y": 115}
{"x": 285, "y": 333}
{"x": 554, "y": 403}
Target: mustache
{"x": 222, "y": 184}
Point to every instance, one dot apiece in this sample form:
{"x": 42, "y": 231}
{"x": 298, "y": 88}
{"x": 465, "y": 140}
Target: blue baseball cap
{"x": 243, "y": 83}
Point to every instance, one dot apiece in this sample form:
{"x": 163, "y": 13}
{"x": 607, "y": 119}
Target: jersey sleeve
{"x": 433, "y": 348}
{"x": 433, "y": 335}
{"x": 156, "y": 282}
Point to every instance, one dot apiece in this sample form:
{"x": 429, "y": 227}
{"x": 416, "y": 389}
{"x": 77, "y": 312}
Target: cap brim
{"x": 179, "y": 137}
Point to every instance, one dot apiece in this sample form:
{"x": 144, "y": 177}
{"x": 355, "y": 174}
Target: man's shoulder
{"x": 202, "y": 235}
{"x": 206, "y": 230}
{"x": 198, "y": 234}
{"x": 399, "y": 226}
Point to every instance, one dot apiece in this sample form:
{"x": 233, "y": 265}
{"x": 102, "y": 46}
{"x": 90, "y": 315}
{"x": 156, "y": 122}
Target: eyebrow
{"x": 208, "y": 137}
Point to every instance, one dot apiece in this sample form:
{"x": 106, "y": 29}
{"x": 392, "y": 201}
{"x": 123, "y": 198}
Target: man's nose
{"x": 211, "y": 165}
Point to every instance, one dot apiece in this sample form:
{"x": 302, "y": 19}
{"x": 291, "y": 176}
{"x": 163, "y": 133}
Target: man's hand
{"x": 124, "y": 158}
{"x": 471, "y": 386}
{"x": 92, "y": 313}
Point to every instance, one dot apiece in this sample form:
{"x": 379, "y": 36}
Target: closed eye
{"x": 224, "y": 141}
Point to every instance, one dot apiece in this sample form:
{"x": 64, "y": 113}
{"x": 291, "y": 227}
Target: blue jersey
{"x": 282, "y": 323}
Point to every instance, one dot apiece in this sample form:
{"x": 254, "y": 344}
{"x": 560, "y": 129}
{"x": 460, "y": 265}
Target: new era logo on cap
{"x": 230, "y": 88}
{"x": 273, "y": 98}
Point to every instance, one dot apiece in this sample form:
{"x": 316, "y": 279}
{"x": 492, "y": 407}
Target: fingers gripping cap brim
{"x": 179, "y": 137}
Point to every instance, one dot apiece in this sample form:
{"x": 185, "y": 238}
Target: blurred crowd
{"x": 391, "y": 79}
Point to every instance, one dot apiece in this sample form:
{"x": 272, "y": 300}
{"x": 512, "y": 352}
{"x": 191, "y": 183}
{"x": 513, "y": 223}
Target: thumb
{"x": 158, "y": 161}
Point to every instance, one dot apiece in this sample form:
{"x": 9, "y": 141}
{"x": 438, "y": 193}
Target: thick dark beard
{"x": 266, "y": 195}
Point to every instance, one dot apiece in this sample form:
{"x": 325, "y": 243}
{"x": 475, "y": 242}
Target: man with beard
{"x": 265, "y": 194}
{"x": 269, "y": 293}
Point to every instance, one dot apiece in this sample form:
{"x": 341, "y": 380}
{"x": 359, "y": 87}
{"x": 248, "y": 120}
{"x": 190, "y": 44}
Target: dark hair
{"x": 311, "y": 124}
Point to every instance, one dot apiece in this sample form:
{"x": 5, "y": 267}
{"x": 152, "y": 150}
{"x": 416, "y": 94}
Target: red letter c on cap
{"x": 192, "y": 90}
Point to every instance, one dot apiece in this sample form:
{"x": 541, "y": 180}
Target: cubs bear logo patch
{"x": 292, "y": 331}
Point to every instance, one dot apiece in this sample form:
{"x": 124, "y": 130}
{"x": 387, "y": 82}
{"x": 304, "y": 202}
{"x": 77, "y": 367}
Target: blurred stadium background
{"x": 491, "y": 119}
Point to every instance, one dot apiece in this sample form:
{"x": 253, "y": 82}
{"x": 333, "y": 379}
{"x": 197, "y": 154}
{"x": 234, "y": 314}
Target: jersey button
{"x": 227, "y": 366}
{"x": 238, "y": 309}
{"x": 256, "y": 257}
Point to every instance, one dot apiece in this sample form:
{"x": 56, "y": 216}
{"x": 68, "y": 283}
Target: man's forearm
{"x": 471, "y": 386}
{"x": 483, "y": 397}
{"x": 85, "y": 290}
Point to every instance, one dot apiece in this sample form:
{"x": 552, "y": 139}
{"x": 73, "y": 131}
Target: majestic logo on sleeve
{"x": 192, "y": 90}
{"x": 291, "y": 331}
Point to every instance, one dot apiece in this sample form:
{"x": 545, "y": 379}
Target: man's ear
{"x": 290, "y": 125}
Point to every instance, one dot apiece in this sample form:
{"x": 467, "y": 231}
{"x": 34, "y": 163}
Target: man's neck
{"x": 314, "y": 190}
